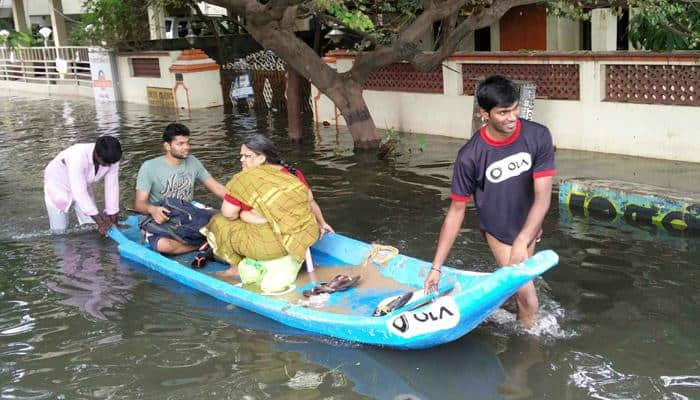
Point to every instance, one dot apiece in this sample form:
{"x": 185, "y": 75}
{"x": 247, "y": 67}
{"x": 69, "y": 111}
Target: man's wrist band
{"x": 436, "y": 269}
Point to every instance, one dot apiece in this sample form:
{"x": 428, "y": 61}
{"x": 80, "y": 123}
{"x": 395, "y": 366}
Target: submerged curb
{"x": 626, "y": 203}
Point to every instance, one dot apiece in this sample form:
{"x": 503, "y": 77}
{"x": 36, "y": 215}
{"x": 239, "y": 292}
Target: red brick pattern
{"x": 554, "y": 81}
{"x": 405, "y": 78}
{"x": 653, "y": 84}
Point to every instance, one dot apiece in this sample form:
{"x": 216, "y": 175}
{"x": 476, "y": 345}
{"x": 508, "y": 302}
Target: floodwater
{"x": 619, "y": 314}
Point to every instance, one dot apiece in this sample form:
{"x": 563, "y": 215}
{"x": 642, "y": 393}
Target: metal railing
{"x": 42, "y": 65}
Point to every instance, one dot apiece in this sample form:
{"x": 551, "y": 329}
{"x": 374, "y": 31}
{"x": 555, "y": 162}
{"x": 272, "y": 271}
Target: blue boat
{"x": 465, "y": 300}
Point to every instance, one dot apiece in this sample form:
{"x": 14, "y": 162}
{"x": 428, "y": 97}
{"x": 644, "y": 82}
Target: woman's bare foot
{"x": 228, "y": 274}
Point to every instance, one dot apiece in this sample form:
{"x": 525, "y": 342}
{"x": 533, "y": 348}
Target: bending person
{"x": 268, "y": 211}
{"x": 68, "y": 180}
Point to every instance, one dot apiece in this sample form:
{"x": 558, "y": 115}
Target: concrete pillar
{"x": 496, "y": 36}
{"x": 603, "y": 30}
{"x": 20, "y": 16}
{"x": 58, "y": 23}
{"x": 563, "y": 34}
{"x": 452, "y": 78}
{"x": 156, "y": 22}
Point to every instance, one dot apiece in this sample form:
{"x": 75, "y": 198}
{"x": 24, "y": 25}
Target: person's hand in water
{"x": 114, "y": 218}
{"x": 103, "y": 223}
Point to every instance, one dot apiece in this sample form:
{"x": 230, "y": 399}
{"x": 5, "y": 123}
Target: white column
{"x": 603, "y": 30}
{"x": 496, "y": 36}
{"x": 156, "y": 22}
{"x": 452, "y": 78}
{"x": 58, "y": 23}
{"x": 563, "y": 34}
{"x": 19, "y": 15}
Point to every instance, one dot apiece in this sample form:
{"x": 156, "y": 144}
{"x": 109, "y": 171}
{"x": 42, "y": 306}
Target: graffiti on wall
{"x": 650, "y": 213}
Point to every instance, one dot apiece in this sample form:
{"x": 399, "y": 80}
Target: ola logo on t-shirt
{"x": 509, "y": 167}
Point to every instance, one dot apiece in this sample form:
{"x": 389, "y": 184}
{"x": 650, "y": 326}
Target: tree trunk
{"x": 348, "y": 98}
{"x": 294, "y": 105}
{"x": 344, "y": 91}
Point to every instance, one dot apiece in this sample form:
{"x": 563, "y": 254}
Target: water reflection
{"x": 85, "y": 281}
{"x": 78, "y": 322}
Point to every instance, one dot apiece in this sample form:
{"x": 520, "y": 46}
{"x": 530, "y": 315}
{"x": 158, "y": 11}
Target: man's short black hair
{"x": 175, "y": 129}
{"x": 497, "y": 91}
{"x": 108, "y": 149}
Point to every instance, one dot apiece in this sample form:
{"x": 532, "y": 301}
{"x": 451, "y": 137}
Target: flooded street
{"x": 620, "y": 312}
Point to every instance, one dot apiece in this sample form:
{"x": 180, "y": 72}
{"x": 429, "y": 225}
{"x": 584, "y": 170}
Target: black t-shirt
{"x": 499, "y": 175}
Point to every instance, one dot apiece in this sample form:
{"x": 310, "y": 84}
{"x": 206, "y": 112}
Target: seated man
{"x": 171, "y": 176}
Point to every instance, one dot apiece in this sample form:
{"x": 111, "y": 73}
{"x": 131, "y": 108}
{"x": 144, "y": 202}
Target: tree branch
{"x": 478, "y": 19}
{"x": 404, "y": 47}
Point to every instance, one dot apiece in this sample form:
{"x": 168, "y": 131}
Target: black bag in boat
{"x": 184, "y": 222}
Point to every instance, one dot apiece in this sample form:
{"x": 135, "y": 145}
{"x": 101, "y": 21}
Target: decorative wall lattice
{"x": 554, "y": 81}
{"x": 653, "y": 84}
{"x": 268, "y": 77}
{"x": 269, "y": 88}
{"x": 405, "y": 78}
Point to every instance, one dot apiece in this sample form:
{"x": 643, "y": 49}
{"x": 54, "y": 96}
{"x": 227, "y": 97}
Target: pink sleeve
{"x": 112, "y": 189}
{"x": 78, "y": 183}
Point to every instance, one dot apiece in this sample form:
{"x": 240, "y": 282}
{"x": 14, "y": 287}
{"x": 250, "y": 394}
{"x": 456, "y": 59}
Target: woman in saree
{"x": 268, "y": 211}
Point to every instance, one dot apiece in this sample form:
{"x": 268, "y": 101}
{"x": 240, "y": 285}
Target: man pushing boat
{"x": 507, "y": 167}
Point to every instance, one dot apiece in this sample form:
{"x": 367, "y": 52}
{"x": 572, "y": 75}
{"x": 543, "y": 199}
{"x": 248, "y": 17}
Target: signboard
{"x": 527, "y": 100}
{"x": 241, "y": 87}
{"x": 160, "y": 97}
{"x": 103, "y": 73}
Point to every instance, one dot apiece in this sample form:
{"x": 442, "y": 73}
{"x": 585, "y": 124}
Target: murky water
{"x": 620, "y": 312}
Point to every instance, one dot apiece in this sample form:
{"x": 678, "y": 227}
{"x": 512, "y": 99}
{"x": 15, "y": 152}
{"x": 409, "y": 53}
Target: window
{"x": 623, "y": 22}
{"x": 586, "y": 38}
{"x": 145, "y": 67}
{"x": 482, "y": 39}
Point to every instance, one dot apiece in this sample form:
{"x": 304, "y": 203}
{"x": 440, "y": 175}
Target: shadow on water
{"x": 468, "y": 368}
{"x": 76, "y": 322}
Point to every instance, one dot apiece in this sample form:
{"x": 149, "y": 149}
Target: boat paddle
{"x": 408, "y": 301}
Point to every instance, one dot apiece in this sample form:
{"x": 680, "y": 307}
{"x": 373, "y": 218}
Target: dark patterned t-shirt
{"x": 499, "y": 175}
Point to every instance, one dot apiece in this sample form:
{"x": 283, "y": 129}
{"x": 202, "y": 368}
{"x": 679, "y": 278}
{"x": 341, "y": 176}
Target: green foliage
{"x": 674, "y": 25}
{"x": 391, "y": 139}
{"x": 18, "y": 39}
{"x": 655, "y": 25}
{"x": 382, "y": 19}
{"x": 659, "y": 25}
{"x": 110, "y": 22}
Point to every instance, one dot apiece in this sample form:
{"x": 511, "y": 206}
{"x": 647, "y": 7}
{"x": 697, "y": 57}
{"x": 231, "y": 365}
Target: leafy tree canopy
{"x": 659, "y": 25}
{"x": 17, "y": 39}
{"x": 655, "y": 25}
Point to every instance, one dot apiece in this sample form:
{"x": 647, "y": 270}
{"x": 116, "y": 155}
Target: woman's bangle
{"x": 436, "y": 269}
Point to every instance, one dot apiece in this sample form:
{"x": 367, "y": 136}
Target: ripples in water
{"x": 78, "y": 322}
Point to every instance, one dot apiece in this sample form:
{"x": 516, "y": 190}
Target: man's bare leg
{"x": 173, "y": 247}
{"x": 526, "y": 296}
